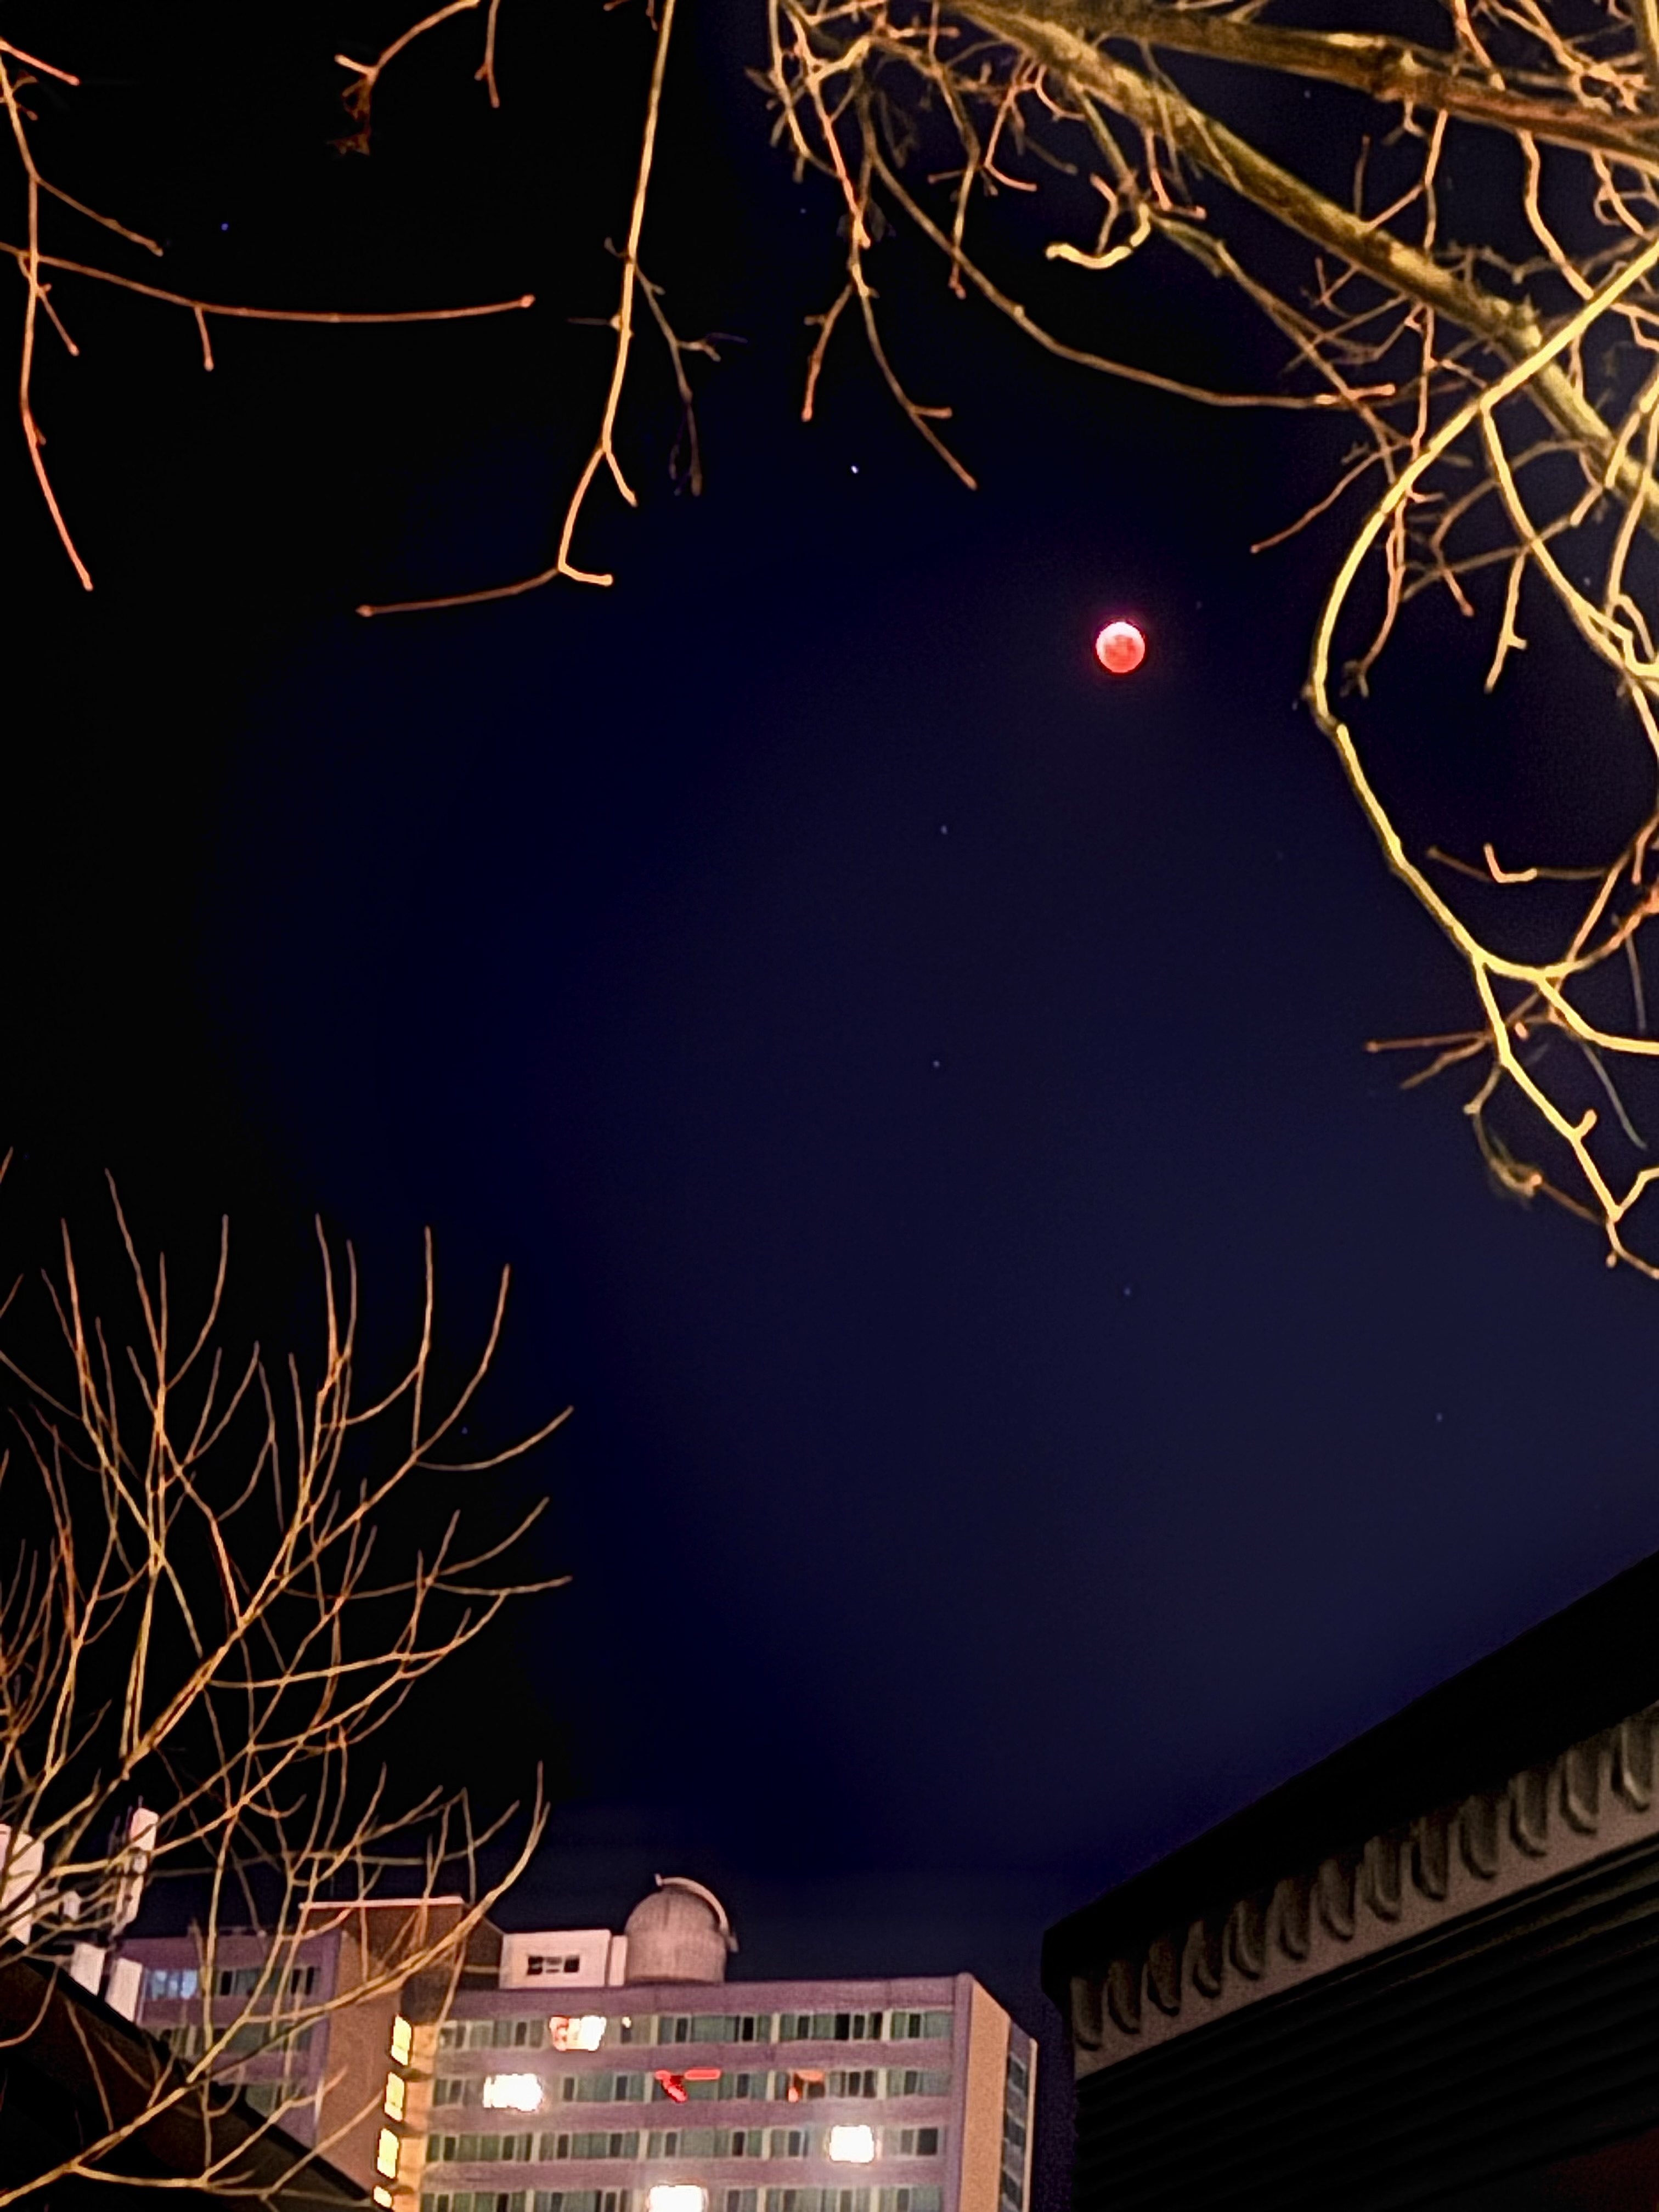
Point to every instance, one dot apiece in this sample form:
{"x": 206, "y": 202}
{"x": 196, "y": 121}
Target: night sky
{"x": 1037, "y": 1382}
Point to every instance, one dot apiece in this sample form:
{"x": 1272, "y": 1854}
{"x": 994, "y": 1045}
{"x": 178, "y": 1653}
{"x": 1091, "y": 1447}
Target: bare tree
{"x": 1495, "y": 351}
{"x": 40, "y": 268}
{"x": 1504, "y": 386}
{"x": 209, "y": 1614}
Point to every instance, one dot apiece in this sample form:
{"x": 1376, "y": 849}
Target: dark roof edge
{"x": 1584, "y": 1668}
{"x": 50, "y": 2022}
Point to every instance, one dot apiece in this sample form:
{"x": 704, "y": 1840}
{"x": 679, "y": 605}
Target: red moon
{"x": 1119, "y": 648}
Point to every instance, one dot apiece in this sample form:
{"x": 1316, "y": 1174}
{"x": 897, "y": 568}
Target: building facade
{"x": 909, "y": 2095}
{"x": 316, "y": 2044}
{"x": 576, "y": 2070}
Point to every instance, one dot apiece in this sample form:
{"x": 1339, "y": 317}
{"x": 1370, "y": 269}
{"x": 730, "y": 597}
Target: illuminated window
{"x": 171, "y": 1982}
{"x": 382, "y": 2196}
{"x": 852, "y": 2146}
{"x": 395, "y": 2093}
{"x": 403, "y": 2041}
{"x": 799, "y": 2086}
{"x": 385, "y": 2154}
{"x": 513, "y": 2092}
{"x": 577, "y": 2030}
{"x": 677, "y": 2197}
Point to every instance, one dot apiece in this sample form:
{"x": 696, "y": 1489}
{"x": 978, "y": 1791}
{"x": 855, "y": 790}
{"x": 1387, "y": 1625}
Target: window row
{"x": 174, "y": 1984}
{"x": 913, "y": 2199}
{"x": 863, "y": 2027}
{"x": 599, "y": 2030}
{"x": 522, "y": 2200}
{"x": 487, "y": 2149}
{"x": 853, "y": 2146}
{"x": 850, "y": 2145}
{"x": 505, "y": 2034}
{"x": 684, "y": 2197}
{"x": 696, "y": 2085}
{"x": 189, "y": 2040}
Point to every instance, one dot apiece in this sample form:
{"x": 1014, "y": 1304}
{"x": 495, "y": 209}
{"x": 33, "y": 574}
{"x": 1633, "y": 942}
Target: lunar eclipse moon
{"x": 1119, "y": 648}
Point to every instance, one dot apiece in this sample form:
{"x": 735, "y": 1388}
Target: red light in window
{"x": 674, "y": 2085}
{"x": 700, "y": 2074}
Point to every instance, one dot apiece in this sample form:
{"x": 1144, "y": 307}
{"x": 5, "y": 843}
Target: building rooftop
{"x": 1577, "y": 1673}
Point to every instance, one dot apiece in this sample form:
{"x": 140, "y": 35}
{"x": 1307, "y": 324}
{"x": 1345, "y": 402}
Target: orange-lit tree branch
{"x": 366, "y": 76}
{"x": 33, "y": 263}
{"x": 602, "y": 460}
{"x": 1508, "y": 412}
{"x": 217, "y": 1592}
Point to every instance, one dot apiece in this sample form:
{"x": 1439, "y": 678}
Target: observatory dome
{"x": 678, "y": 1934}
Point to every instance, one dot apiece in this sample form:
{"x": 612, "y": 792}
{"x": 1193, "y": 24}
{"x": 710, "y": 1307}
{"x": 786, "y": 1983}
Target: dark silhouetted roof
{"x": 1582, "y": 1670}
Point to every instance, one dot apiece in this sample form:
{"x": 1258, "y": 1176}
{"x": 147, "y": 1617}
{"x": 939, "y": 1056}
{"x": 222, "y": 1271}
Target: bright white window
{"x": 403, "y": 2041}
{"x": 385, "y": 2154}
{"x": 853, "y": 2146}
{"x": 382, "y": 2196}
{"x": 394, "y": 2096}
{"x": 171, "y": 1981}
{"x": 513, "y": 2092}
{"x": 677, "y": 2197}
{"x": 578, "y": 2031}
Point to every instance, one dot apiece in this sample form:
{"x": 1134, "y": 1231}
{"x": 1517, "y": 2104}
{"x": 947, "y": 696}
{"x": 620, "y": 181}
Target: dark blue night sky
{"x": 1037, "y": 1383}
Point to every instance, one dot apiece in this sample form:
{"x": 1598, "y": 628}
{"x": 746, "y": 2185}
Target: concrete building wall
{"x": 986, "y": 2067}
{"x": 356, "y": 2066}
{"x": 564, "y": 1958}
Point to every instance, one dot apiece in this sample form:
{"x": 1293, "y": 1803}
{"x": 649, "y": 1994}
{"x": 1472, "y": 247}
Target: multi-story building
{"x": 575, "y": 2070}
{"x": 657, "y": 2087}
{"x": 313, "y": 2040}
